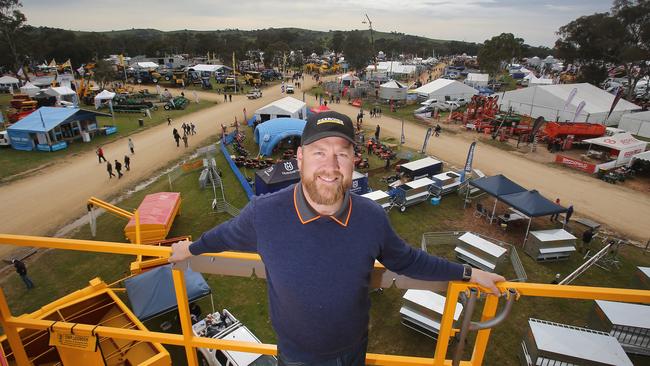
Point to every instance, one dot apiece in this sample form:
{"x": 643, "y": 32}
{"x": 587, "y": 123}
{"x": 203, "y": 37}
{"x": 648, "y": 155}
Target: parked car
{"x": 424, "y": 109}
{"x": 289, "y": 89}
{"x": 429, "y": 101}
{"x": 452, "y": 105}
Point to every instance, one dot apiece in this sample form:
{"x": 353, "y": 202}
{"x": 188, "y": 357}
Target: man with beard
{"x": 319, "y": 243}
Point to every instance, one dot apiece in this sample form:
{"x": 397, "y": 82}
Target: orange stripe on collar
{"x": 347, "y": 219}
{"x": 295, "y": 205}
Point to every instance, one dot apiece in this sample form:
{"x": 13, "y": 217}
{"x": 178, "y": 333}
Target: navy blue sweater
{"x": 318, "y": 272}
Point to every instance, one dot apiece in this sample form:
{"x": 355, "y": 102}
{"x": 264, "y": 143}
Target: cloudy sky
{"x": 536, "y": 21}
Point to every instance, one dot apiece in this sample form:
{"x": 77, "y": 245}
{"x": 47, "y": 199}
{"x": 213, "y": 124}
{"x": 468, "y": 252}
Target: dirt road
{"x": 42, "y": 203}
{"x": 622, "y": 209}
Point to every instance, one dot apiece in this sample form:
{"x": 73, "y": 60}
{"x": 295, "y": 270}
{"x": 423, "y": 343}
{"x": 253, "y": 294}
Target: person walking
{"x": 555, "y": 215}
{"x": 225, "y": 97}
{"x": 109, "y": 169}
{"x": 437, "y": 130}
{"x": 169, "y": 121}
{"x": 320, "y": 309}
{"x": 185, "y": 140}
{"x": 127, "y": 163}
{"x": 193, "y": 126}
{"x": 177, "y": 138}
{"x": 569, "y": 213}
{"x": 21, "y": 269}
{"x": 377, "y": 132}
{"x": 131, "y": 146}
{"x": 118, "y": 168}
{"x": 100, "y": 154}
{"x": 230, "y": 97}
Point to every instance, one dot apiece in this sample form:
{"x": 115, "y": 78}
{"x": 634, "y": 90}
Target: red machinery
{"x": 21, "y": 106}
{"x": 581, "y": 130}
{"x": 480, "y": 111}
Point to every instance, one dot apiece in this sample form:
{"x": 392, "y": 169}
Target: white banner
{"x": 579, "y": 110}
{"x": 569, "y": 99}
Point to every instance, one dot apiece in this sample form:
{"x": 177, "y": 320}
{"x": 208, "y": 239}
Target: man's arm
{"x": 401, "y": 258}
{"x": 237, "y": 234}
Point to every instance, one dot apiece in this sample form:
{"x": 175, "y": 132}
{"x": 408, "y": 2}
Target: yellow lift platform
{"x": 62, "y": 344}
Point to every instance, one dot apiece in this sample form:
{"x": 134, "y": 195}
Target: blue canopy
{"x": 271, "y": 132}
{"x": 532, "y": 204}
{"x": 497, "y": 185}
{"x": 46, "y": 118}
{"x": 152, "y": 293}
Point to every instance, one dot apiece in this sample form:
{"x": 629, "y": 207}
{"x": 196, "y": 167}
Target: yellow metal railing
{"x": 11, "y": 323}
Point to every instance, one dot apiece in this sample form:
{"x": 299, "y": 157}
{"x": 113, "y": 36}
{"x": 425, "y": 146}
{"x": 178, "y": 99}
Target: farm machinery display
{"x": 176, "y": 103}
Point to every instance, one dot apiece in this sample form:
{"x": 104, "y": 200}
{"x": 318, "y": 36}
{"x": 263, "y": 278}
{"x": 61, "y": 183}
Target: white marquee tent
{"x": 477, "y": 80}
{"x": 549, "y": 100}
{"x": 105, "y": 95}
{"x": 62, "y": 94}
{"x": 145, "y": 65}
{"x": 9, "y": 82}
{"x": 626, "y": 145}
{"x": 348, "y": 79}
{"x": 444, "y": 89}
{"x": 203, "y": 68}
{"x": 636, "y": 123}
{"x": 393, "y": 90}
{"x": 30, "y": 89}
{"x": 285, "y": 107}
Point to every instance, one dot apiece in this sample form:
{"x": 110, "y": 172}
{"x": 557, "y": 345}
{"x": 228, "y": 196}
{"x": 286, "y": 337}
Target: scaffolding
{"x": 245, "y": 264}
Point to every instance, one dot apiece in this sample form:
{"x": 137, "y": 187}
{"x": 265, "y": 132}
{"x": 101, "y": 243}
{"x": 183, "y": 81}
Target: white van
{"x": 4, "y": 138}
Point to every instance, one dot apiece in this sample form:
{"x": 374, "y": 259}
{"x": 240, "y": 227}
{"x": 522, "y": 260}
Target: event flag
{"x": 426, "y": 139}
{"x": 21, "y": 72}
{"x": 619, "y": 95}
{"x": 468, "y": 163}
{"x": 196, "y": 97}
{"x": 402, "y": 138}
{"x": 581, "y": 106}
{"x": 569, "y": 99}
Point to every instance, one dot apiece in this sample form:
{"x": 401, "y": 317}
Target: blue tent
{"x": 152, "y": 293}
{"x": 47, "y": 128}
{"x": 276, "y": 177}
{"x": 532, "y": 204}
{"x": 497, "y": 185}
{"x": 271, "y": 132}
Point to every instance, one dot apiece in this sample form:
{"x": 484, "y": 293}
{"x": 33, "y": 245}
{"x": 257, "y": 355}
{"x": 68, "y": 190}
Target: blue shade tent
{"x": 497, "y": 185}
{"x": 152, "y": 293}
{"x": 271, "y": 132}
{"x": 532, "y": 204}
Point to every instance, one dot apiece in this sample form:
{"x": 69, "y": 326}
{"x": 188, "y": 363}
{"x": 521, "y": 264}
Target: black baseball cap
{"x": 327, "y": 124}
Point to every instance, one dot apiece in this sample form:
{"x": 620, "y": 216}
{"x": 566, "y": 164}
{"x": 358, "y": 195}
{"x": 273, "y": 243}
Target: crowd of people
{"x": 117, "y": 164}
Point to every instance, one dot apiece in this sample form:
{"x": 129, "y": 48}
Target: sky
{"x": 536, "y": 21}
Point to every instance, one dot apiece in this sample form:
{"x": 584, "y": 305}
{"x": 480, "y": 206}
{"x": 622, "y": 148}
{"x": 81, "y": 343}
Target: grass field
{"x": 57, "y": 273}
{"x": 15, "y": 162}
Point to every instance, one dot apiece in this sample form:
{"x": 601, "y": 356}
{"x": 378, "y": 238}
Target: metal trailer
{"x": 412, "y": 193}
{"x": 553, "y": 344}
{"x": 642, "y": 277}
{"x": 629, "y": 323}
{"x": 550, "y": 245}
{"x": 425, "y": 167}
{"x": 380, "y": 197}
{"x": 480, "y": 253}
{"x": 445, "y": 183}
{"x": 422, "y": 312}
{"x": 225, "y": 326}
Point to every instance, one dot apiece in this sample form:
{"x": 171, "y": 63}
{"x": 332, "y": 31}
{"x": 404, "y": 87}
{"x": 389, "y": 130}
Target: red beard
{"x": 326, "y": 194}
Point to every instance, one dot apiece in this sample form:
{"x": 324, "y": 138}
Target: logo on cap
{"x": 329, "y": 120}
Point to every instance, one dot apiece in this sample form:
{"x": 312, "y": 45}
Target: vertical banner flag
{"x": 619, "y": 95}
{"x": 581, "y": 106}
{"x": 468, "y": 163}
{"x": 426, "y": 139}
{"x": 402, "y": 139}
{"x": 196, "y": 97}
{"x": 569, "y": 99}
